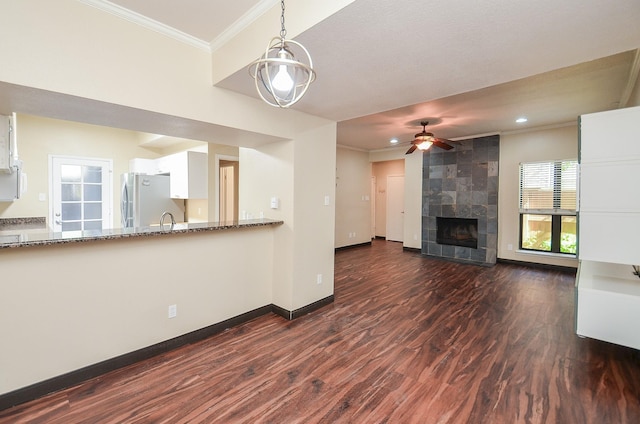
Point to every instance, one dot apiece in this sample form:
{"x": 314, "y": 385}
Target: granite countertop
{"x": 40, "y": 237}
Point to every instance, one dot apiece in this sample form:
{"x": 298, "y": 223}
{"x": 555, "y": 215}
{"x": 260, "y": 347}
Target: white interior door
{"x": 395, "y": 208}
{"x": 81, "y": 195}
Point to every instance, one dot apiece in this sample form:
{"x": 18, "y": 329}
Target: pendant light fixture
{"x": 281, "y": 79}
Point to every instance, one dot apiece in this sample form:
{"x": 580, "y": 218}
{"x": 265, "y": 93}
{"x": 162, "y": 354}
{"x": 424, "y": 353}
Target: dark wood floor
{"x": 408, "y": 339}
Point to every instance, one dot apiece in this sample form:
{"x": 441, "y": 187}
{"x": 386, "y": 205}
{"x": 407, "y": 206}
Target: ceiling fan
{"x": 424, "y": 140}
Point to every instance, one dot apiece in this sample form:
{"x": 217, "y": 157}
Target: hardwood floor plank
{"x": 408, "y": 339}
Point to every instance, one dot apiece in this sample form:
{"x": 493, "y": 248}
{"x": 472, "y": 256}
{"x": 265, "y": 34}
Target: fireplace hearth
{"x": 457, "y": 232}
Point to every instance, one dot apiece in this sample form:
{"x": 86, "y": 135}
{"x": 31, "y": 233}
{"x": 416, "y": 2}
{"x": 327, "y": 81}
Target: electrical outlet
{"x": 509, "y": 246}
{"x": 319, "y": 279}
{"x": 173, "y": 311}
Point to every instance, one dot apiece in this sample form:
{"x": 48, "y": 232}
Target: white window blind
{"x": 548, "y": 187}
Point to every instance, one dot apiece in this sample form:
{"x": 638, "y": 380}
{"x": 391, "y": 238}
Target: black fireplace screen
{"x": 457, "y": 232}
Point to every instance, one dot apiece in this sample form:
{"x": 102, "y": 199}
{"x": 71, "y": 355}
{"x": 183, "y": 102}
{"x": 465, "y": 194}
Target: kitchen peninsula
{"x": 39, "y": 237}
{"x": 123, "y": 296}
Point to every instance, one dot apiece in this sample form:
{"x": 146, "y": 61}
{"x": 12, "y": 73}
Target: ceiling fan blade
{"x": 444, "y": 140}
{"x": 411, "y": 149}
{"x": 438, "y": 142}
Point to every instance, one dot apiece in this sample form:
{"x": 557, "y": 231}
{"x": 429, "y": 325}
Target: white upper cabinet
{"x": 610, "y": 186}
{"x": 189, "y": 174}
{"x": 144, "y": 166}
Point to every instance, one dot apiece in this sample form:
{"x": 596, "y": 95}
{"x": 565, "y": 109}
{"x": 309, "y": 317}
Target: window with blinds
{"x": 548, "y": 206}
{"x": 548, "y": 187}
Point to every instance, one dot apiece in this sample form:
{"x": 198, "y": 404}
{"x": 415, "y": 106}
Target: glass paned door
{"x": 81, "y": 195}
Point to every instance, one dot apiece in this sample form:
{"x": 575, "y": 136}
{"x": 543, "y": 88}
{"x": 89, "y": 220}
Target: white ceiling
{"x": 469, "y": 67}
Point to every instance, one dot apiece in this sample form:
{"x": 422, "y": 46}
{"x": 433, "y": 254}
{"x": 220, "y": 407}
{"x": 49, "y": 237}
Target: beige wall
{"x": 540, "y": 145}
{"x": 300, "y": 173}
{"x": 413, "y": 201}
{"x": 314, "y": 180}
{"x": 353, "y": 197}
{"x": 634, "y": 100}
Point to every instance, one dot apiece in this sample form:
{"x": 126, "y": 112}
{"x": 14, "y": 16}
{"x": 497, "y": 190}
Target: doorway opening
{"x": 228, "y": 175}
{"x": 388, "y": 199}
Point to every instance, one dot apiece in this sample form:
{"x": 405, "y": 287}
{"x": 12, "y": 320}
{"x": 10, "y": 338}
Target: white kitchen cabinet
{"x": 608, "y": 294}
{"x": 144, "y": 166}
{"x": 189, "y": 174}
{"x": 5, "y": 144}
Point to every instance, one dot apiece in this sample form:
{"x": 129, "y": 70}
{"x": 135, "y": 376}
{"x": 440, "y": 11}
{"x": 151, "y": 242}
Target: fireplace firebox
{"x": 457, "y": 232}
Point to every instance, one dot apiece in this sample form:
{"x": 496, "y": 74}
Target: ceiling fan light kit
{"x": 281, "y": 80}
{"x": 424, "y": 145}
{"x": 424, "y": 140}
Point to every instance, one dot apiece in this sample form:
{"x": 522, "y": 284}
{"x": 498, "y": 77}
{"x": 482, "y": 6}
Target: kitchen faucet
{"x": 173, "y": 221}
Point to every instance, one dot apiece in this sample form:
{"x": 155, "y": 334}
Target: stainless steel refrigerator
{"x": 11, "y": 183}
{"x": 144, "y": 198}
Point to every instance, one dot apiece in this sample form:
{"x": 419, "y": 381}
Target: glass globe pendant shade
{"x": 281, "y": 80}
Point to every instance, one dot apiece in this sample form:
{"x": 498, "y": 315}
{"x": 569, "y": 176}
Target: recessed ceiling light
{"x": 393, "y": 141}
{"x": 521, "y": 120}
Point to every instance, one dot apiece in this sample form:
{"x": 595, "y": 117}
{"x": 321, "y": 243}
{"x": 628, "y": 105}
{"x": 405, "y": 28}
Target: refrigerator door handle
{"x": 124, "y": 205}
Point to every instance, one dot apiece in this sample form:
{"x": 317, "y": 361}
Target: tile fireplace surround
{"x": 462, "y": 183}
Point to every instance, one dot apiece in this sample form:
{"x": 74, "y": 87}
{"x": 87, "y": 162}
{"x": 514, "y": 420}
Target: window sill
{"x": 547, "y": 254}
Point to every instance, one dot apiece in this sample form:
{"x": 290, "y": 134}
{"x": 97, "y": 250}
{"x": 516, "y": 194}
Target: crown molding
{"x": 541, "y": 128}
{"x": 131, "y": 16}
{"x": 469, "y": 137}
{"x": 398, "y": 147}
{"x": 356, "y": 149}
{"x": 242, "y": 23}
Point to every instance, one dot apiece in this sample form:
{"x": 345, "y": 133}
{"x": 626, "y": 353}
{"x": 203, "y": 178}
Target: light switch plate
{"x": 173, "y": 311}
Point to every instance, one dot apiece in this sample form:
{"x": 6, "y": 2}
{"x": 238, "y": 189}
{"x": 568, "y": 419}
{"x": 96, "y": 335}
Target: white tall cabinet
{"x": 608, "y": 294}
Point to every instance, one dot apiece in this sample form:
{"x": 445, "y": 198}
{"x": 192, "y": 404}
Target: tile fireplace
{"x": 461, "y": 185}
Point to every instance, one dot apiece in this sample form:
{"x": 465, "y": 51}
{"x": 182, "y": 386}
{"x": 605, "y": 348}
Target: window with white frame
{"x": 548, "y": 206}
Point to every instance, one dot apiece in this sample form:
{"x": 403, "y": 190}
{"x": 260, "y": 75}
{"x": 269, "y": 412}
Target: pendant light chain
{"x": 283, "y": 32}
